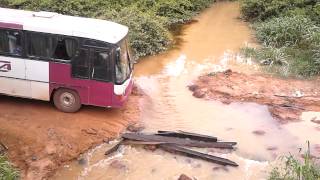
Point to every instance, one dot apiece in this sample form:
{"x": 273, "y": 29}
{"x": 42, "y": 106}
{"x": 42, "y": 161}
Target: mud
{"x": 208, "y": 45}
{"x": 40, "y": 139}
{"x": 286, "y": 99}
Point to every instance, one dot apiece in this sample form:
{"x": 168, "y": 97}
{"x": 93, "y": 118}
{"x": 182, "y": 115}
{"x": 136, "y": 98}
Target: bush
{"x": 293, "y": 169}
{"x": 286, "y": 31}
{"x": 260, "y": 10}
{"x": 290, "y": 31}
{"x": 148, "y": 20}
{"x": 148, "y": 34}
{"x": 7, "y": 172}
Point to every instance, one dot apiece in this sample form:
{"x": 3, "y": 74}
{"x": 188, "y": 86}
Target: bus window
{"x": 10, "y": 42}
{"x": 101, "y": 63}
{"x": 122, "y": 63}
{"x": 80, "y": 64}
{"x": 65, "y": 49}
{"x": 40, "y": 45}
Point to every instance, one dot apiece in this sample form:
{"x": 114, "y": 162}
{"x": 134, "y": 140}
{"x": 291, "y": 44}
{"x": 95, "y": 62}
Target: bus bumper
{"x": 119, "y": 100}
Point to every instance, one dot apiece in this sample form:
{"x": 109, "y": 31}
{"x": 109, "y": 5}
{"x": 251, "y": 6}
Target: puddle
{"x": 208, "y": 45}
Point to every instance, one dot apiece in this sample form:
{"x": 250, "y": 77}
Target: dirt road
{"x": 40, "y": 138}
{"x": 285, "y": 98}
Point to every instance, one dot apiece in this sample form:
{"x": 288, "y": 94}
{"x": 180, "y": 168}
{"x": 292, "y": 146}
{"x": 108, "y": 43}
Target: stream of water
{"x": 209, "y": 44}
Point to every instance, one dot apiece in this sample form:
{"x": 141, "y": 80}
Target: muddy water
{"x": 210, "y": 44}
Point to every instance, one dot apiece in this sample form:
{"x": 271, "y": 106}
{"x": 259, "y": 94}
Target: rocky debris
{"x": 137, "y": 91}
{"x": 90, "y": 131}
{"x": 259, "y": 132}
{"x": 34, "y": 158}
{"x": 272, "y": 148}
{"x": 228, "y": 72}
{"x": 184, "y": 177}
{"x": 153, "y": 170}
{"x": 286, "y": 98}
{"x": 137, "y": 127}
{"x": 193, "y": 87}
{"x": 218, "y": 168}
{"x": 150, "y": 147}
{"x": 83, "y": 161}
{"x": 3, "y": 148}
{"x": 199, "y": 93}
{"x": 117, "y": 164}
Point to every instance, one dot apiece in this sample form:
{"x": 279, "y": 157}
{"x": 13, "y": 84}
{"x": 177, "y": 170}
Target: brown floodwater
{"x": 207, "y": 45}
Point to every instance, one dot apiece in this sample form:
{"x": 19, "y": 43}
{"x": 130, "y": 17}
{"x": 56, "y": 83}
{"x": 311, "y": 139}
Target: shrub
{"x": 7, "y": 172}
{"x": 260, "y": 10}
{"x": 148, "y": 34}
{"x": 174, "y": 11}
{"x": 290, "y": 33}
{"x": 286, "y": 31}
{"x": 148, "y": 20}
{"x": 295, "y": 169}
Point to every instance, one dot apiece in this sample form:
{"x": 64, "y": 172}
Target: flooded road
{"x": 208, "y": 45}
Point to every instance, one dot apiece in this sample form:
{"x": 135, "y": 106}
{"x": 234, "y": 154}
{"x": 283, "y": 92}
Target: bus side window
{"x": 101, "y": 63}
{"x": 10, "y": 42}
{"x": 65, "y": 50}
{"x": 40, "y": 45}
{"x": 81, "y": 65}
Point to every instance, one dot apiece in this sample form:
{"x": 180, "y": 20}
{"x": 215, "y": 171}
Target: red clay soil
{"x": 286, "y": 98}
{"x": 40, "y": 138}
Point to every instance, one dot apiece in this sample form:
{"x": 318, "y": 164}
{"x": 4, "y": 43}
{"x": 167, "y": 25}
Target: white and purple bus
{"x": 69, "y": 60}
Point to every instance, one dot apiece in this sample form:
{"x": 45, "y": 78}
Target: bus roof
{"x": 54, "y": 23}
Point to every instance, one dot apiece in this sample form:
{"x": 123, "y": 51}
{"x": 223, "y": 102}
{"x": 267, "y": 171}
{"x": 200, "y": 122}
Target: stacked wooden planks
{"x": 176, "y": 142}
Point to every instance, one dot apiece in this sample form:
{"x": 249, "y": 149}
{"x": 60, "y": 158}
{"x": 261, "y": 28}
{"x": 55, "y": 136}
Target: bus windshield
{"x": 123, "y": 63}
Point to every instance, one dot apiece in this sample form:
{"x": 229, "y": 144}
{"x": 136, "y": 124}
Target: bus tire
{"x": 67, "y": 100}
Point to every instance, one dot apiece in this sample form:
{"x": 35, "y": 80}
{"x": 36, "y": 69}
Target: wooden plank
{"x": 194, "y": 154}
{"x": 177, "y": 141}
{"x": 189, "y": 135}
{"x": 114, "y": 148}
{"x": 129, "y": 142}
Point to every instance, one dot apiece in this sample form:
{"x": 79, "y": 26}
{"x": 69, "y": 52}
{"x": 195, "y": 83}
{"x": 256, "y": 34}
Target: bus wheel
{"x": 67, "y": 100}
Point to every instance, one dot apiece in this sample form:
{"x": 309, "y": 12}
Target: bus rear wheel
{"x": 67, "y": 100}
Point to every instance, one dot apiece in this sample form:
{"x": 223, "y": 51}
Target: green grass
{"x": 7, "y": 172}
{"x": 293, "y": 168}
{"x": 289, "y": 31}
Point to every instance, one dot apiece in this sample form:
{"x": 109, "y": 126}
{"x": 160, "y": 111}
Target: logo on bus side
{"x": 5, "y": 66}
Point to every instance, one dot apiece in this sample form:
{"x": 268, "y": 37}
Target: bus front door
{"x": 101, "y": 86}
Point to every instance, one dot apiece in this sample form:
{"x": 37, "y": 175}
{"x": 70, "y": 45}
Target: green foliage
{"x": 274, "y": 60}
{"x": 295, "y": 169}
{"x": 260, "y": 10}
{"x": 291, "y": 27}
{"x": 286, "y": 31}
{"x": 7, "y": 172}
{"x": 148, "y": 20}
{"x": 148, "y": 33}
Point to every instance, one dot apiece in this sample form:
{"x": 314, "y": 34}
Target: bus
{"x": 72, "y": 61}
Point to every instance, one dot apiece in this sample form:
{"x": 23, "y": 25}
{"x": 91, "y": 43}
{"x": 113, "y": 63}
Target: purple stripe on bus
{"x": 11, "y": 26}
{"x": 91, "y": 92}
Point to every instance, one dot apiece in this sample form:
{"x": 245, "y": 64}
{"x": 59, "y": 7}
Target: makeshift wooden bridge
{"x": 176, "y": 142}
